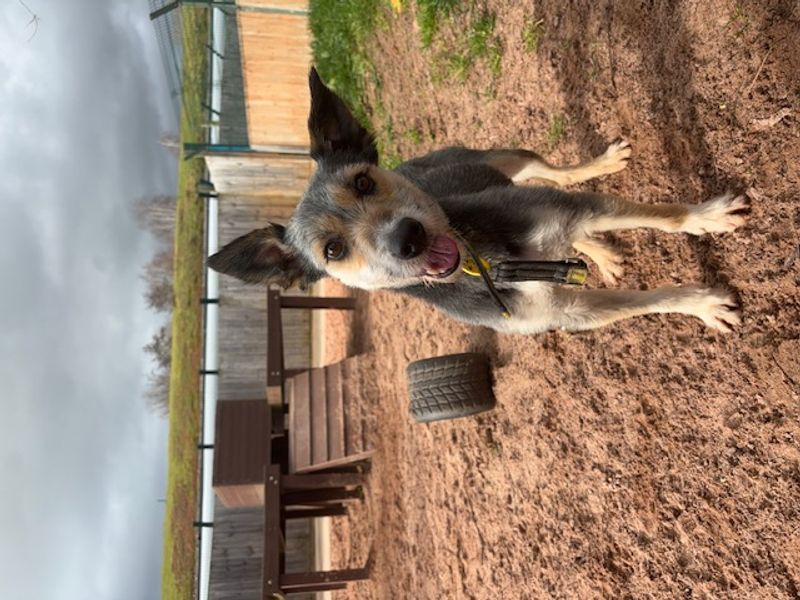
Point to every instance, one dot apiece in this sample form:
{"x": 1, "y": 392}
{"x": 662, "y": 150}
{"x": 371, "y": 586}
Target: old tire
{"x": 448, "y": 387}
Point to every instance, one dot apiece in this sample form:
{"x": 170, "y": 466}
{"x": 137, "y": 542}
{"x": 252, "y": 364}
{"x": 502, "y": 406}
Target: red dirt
{"x": 652, "y": 458}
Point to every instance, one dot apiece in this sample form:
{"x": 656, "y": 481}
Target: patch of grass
{"x": 429, "y": 13}
{"x": 532, "y": 35}
{"x": 494, "y": 60}
{"x": 388, "y": 153}
{"x": 340, "y": 33}
{"x": 556, "y": 131}
{"x": 178, "y": 566}
{"x": 340, "y": 36}
{"x": 479, "y": 42}
{"x": 458, "y": 65}
{"x": 413, "y": 135}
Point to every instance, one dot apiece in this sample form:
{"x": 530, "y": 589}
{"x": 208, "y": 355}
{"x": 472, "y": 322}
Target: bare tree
{"x": 157, "y": 215}
{"x": 171, "y": 142}
{"x": 160, "y": 351}
{"x": 158, "y": 276}
{"x": 157, "y": 392}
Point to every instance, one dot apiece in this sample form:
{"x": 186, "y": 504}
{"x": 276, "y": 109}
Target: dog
{"x": 413, "y": 229}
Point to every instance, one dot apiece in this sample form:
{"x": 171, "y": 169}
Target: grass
{"x": 340, "y": 36}
{"x": 532, "y": 35}
{"x": 178, "y": 566}
{"x": 413, "y": 135}
{"x": 477, "y": 43}
{"x": 429, "y": 14}
{"x": 555, "y": 132}
{"x": 340, "y": 33}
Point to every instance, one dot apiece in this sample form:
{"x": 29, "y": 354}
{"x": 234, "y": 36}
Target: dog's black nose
{"x": 408, "y": 239}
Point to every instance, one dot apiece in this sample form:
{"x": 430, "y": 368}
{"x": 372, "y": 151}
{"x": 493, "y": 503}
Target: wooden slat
{"x": 273, "y": 543}
{"x": 297, "y": 582}
{"x": 339, "y": 462}
{"x": 347, "y": 402}
{"x": 321, "y": 497}
{"x": 321, "y": 480}
{"x": 300, "y": 436}
{"x": 339, "y": 303}
{"x": 313, "y": 513}
{"x": 319, "y": 417}
{"x": 274, "y": 339}
{"x": 333, "y": 377}
{"x": 292, "y": 421}
{"x": 321, "y": 587}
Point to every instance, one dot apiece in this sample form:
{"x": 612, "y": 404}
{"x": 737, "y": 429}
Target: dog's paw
{"x": 611, "y": 268}
{"x": 616, "y": 156}
{"x": 607, "y": 259}
{"x": 718, "y": 215}
{"x": 717, "y": 308}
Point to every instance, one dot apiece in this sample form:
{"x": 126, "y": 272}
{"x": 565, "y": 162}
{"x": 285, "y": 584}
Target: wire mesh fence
{"x": 169, "y": 32}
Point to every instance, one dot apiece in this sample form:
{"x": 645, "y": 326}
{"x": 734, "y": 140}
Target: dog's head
{"x": 367, "y": 226}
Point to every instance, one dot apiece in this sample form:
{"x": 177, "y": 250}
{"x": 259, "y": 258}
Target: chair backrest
{"x": 321, "y": 435}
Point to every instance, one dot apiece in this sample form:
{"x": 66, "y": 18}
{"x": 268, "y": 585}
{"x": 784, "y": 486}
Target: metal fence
{"x": 169, "y": 33}
{"x": 231, "y": 116}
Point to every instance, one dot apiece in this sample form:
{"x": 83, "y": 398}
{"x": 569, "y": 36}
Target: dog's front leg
{"x": 523, "y": 165}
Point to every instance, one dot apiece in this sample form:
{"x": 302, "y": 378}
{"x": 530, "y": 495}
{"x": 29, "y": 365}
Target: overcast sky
{"x": 82, "y": 460}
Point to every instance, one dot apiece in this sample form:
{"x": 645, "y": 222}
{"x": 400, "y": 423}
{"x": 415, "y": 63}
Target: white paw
{"x": 611, "y": 269}
{"x": 717, "y": 215}
{"x": 607, "y": 259}
{"x": 616, "y": 156}
{"x": 717, "y": 308}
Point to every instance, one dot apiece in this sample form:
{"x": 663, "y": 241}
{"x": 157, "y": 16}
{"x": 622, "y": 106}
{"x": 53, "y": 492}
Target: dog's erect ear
{"x": 262, "y": 256}
{"x": 333, "y": 129}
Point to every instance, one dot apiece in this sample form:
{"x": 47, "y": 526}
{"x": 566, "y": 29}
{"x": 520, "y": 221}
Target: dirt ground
{"x": 652, "y": 458}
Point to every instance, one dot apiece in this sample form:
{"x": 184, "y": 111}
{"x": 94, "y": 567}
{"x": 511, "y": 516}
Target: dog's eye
{"x": 364, "y": 184}
{"x": 335, "y": 250}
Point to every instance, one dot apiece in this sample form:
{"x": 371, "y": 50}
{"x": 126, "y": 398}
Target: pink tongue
{"x": 442, "y": 255}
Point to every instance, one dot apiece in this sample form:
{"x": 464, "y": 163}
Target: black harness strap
{"x": 571, "y": 271}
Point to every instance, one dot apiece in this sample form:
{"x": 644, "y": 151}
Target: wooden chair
{"x": 277, "y": 499}
{"x": 244, "y": 476}
{"x": 321, "y": 434}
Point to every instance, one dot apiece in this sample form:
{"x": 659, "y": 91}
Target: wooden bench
{"x": 321, "y": 433}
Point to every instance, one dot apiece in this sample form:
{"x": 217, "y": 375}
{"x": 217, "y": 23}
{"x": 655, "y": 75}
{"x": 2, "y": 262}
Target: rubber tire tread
{"x": 449, "y": 387}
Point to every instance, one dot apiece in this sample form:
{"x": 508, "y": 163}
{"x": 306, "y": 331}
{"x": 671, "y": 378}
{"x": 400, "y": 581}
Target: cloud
{"x": 84, "y": 104}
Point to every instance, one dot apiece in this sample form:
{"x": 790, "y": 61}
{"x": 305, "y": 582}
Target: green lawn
{"x": 178, "y": 567}
{"x": 342, "y": 31}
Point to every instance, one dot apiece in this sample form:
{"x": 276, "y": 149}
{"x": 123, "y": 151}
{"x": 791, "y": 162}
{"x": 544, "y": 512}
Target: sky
{"x": 82, "y": 458}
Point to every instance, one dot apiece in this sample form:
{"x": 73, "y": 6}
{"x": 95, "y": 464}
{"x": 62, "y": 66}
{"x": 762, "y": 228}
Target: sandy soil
{"x": 649, "y": 459}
